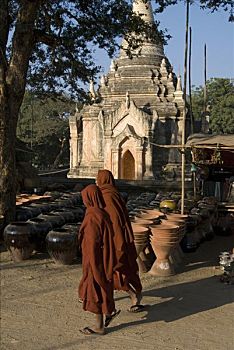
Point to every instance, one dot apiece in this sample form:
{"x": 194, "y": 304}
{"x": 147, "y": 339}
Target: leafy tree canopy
{"x": 43, "y": 126}
{"x": 65, "y": 35}
{"x": 220, "y": 104}
{"x": 212, "y": 5}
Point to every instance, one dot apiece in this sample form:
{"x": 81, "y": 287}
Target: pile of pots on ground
{"x": 49, "y": 225}
{"x": 162, "y": 235}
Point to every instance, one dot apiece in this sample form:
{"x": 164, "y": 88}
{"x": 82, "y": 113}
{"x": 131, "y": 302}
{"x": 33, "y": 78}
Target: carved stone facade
{"x": 139, "y": 103}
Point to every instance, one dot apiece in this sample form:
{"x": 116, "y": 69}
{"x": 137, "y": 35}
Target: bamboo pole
{"x": 205, "y": 89}
{"x": 190, "y": 82}
{"x": 184, "y": 110}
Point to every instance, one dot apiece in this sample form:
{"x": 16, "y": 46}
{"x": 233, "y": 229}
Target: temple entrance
{"x": 128, "y": 166}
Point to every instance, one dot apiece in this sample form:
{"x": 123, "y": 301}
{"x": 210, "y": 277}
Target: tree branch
{"x": 47, "y": 39}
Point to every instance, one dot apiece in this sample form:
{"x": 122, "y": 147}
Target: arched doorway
{"x": 128, "y": 166}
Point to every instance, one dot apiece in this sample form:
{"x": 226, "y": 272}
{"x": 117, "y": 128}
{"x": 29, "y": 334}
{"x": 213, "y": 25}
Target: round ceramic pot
{"x": 18, "y": 237}
{"x": 33, "y": 210}
{"x": 74, "y": 229}
{"x": 66, "y": 214}
{"x": 78, "y": 213}
{"x": 55, "y": 220}
{"x": 41, "y": 229}
{"x": 22, "y": 215}
{"x": 168, "y": 204}
{"x": 62, "y": 246}
{"x": 44, "y": 207}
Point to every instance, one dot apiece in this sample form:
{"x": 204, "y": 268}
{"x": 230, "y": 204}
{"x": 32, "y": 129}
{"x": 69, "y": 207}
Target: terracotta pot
{"x": 148, "y": 216}
{"x": 141, "y": 264}
{"x": 162, "y": 265}
{"x": 18, "y": 237}
{"x": 62, "y": 246}
{"x": 155, "y": 212}
{"x": 142, "y": 222}
{"x": 164, "y": 229}
{"x": 138, "y": 229}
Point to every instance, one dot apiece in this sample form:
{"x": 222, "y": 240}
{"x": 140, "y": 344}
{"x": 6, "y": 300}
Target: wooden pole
{"x": 190, "y": 82}
{"x": 205, "y": 90}
{"x": 184, "y": 110}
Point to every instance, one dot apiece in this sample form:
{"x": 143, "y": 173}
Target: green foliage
{"x": 66, "y": 34}
{"x": 220, "y": 104}
{"x": 44, "y": 126}
{"x": 212, "y": 5}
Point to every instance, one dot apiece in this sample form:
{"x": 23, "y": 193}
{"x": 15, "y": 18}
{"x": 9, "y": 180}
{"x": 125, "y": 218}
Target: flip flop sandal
{"x": 136, "y": 308}
{"x": 90, "y": 331}
{"x": 80, "y": 300}
{"x": 110, "y": 318}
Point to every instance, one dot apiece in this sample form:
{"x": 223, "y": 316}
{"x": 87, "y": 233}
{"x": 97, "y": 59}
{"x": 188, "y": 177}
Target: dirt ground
{"x": 190, "y": 311}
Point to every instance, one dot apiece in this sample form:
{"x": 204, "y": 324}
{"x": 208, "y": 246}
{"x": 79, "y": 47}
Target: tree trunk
{"x": 12, "y": 88}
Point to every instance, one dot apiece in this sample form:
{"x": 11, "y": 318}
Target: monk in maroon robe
{"x": 126, "y": 276}
{"x": 98, "y": 261}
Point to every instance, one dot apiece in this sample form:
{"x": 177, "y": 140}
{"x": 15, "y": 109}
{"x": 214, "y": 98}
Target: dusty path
{"x": 189, "y": 311}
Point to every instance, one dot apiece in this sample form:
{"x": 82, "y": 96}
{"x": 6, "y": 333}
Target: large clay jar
{"x": 44, "y": 207}
{"x": 74, "y": 228}
{"x": 41, "y": 229}
{"x": 18, "y": 237}
{"x": 66, "y": 214}
{"x": 55, "y": 220}
{"x": 35, "y": 211}
{"x": 62, "y": 246}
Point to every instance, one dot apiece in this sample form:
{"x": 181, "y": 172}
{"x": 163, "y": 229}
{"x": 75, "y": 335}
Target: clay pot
{"x": 142, "y": 222}
{"x": 55, "y": 220}
{"x": 141, "y": 235}
{"x": 18, "y": 237}
{"x": 168, "y": 204}
{"x": 41, "y": 229}
{"x": 62, "y": 246}
{"x": 44, "y": 207}
{"x": 74, "y": 228}
{"x": 35, "y": 211}
{"x": 164, "y": 240}
{"x": 22, "y": 215}
{"x": 155, "y": 212}
{"x": 162, "y": 265}
{"x": 66, "y": 214}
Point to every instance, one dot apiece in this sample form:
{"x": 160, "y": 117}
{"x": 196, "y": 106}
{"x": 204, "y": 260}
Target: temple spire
{"x": 143, "y": 9}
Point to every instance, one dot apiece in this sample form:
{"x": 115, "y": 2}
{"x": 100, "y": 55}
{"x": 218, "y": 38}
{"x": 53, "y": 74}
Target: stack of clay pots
{"x": 141, "y": 240}
{"x": 181, "y": 221}
{"x": 165, "y": 237}
{"x": 144, "y": 218}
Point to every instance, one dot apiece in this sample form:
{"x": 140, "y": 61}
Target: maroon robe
{"x": 127, "y": 272}
{"x": 98, "y": 258}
